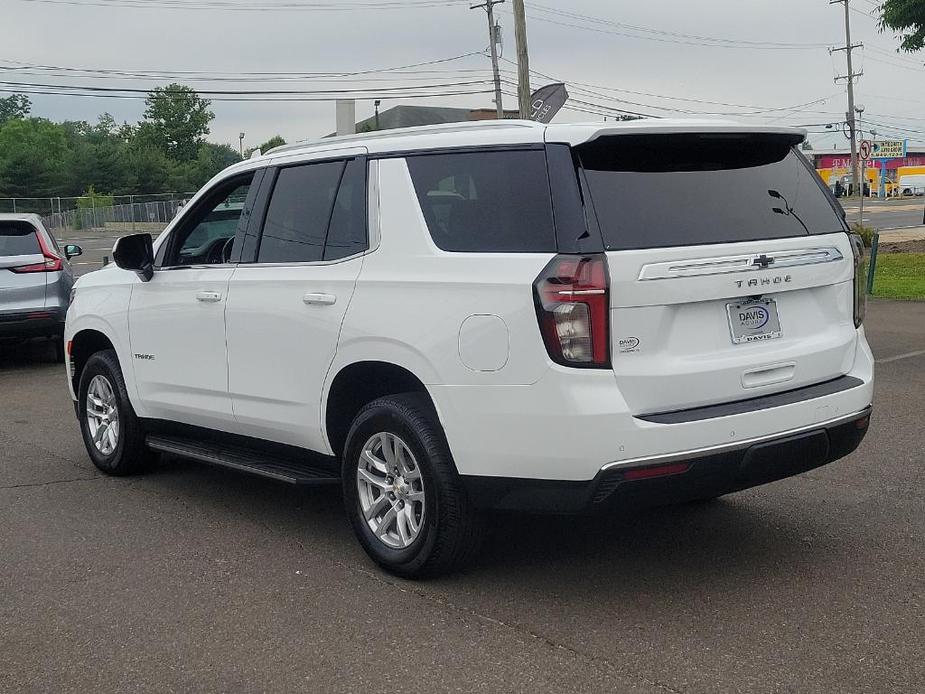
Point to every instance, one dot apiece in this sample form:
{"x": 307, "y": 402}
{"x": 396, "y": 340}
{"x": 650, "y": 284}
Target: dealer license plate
{"x": 751, "y": 321}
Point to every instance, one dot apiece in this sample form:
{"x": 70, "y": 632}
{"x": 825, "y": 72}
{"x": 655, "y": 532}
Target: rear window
{"x": 18, "y": 238}
{"x": 490, "y": 202}
{"x": 682, "y": 190}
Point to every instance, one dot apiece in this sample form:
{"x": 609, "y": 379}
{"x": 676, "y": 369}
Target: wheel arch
{"x": 83, "y": 345}
{"x": 359, "y": 383}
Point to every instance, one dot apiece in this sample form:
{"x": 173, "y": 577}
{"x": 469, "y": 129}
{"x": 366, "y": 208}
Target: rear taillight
{"x": 52, "y": 262}
{"x": 572, "y": 296}
{"x": 860, "y": 279}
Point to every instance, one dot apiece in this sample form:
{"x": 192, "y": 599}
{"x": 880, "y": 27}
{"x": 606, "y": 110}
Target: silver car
{"x": 35, "y": 280}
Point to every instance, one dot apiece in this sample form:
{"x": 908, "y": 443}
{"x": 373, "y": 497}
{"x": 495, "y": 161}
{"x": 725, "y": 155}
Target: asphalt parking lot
{"x": 194, "y": 579}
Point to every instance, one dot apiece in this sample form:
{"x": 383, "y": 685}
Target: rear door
{"x": 731, "y": 272}
{"x": 285, "y": 307}
{"x": 22, "y": 269}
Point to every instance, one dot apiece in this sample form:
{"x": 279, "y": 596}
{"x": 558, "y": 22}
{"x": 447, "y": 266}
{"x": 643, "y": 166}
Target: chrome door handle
{"x": 209, "y": 297}
{"x": 320, "y": 299}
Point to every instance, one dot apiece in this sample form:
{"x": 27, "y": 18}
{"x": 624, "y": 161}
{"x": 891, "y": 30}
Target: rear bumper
{"x": 679, "y": 477}
{"x": 37, "y": 323}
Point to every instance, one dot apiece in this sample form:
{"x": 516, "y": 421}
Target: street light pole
{"x": 241, "y": 144}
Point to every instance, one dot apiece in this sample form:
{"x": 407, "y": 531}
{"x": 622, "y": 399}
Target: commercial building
{"x": 885, "y": 177}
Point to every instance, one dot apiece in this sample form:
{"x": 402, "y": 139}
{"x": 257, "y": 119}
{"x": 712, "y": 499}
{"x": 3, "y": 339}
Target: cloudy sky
{"x": 763, "y": 60}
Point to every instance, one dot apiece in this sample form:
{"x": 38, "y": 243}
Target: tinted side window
{"x": 347, "y": 233}
{"x": 299, "y": 212}
{"x": 18, "y": 238}
{"x": 486, "y": 201}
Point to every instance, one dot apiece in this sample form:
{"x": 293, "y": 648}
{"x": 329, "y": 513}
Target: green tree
{"x": 16, "y": 106}
{"x": 275, "y": 141}
{"x": 907, "y": 19}
{"x": 33, "y": 152}
{"x": 151, "y": 169}
{"x": 177, "y": 121}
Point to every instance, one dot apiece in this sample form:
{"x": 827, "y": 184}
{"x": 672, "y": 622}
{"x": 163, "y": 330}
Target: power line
{"x": 253, "y": 7}
{"x": 186, "y": 74}
{"x": 593, "y": 23}
{"x": 244, "y": 99}
{"x": 243, "y": 92}
{"x": 757, "y": 110}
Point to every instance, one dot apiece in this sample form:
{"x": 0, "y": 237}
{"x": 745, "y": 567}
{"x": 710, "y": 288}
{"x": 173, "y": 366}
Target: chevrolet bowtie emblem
{"x": 762, "y": 261}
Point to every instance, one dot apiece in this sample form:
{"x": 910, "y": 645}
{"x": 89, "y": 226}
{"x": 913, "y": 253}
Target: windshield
{"x": 680, "y": 190}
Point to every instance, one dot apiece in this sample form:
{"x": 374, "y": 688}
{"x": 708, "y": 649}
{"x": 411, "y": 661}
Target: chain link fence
{"x": 119, "y": 213}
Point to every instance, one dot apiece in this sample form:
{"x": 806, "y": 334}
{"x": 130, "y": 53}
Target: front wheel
{"x": 402, "y": 492}
{"x": 112, "y": 433}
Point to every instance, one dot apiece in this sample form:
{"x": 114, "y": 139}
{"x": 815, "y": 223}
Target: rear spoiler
{"x": 583, "y": 133}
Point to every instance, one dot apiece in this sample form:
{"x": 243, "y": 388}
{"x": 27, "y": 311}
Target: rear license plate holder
{"x": 754, "y": 320}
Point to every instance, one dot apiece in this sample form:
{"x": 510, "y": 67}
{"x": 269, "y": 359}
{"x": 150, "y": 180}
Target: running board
{"x": 282, "y": 469}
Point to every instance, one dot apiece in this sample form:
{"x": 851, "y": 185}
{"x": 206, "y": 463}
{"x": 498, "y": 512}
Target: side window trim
{"x": 206, "y": 200}
{"x": 250, "y": 243}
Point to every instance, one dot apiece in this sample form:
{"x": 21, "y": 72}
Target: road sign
{"x": 888, "y": 149}
{"x": 866, "y": 149}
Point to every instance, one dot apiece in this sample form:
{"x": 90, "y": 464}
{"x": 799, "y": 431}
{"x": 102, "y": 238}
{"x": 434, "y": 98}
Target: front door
{"x": 177, "y": 319}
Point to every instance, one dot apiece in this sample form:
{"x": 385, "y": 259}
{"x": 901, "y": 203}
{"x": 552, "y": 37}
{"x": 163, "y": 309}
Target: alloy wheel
{"x": 391, "y": 490}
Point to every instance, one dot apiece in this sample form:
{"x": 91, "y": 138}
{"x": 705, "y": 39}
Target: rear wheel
{"x": 402, "y": 492}
{"x": 112, "y": 433}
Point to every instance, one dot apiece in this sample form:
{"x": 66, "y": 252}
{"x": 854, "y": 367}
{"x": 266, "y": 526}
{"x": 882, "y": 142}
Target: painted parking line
{"x": 907, "y": 355}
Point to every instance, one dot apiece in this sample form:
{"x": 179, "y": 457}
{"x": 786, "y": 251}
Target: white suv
{"x": 501, "y": 315}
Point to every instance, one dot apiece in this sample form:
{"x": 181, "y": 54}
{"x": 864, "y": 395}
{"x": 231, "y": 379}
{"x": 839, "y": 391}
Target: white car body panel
{"x": 186, "y": 379}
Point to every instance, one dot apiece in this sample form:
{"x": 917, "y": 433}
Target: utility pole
{"x": 852, "y": 129}
{"x": 493, "y": 47}
{"x": 523, "y": 60}
{"x": 860, "y": 111}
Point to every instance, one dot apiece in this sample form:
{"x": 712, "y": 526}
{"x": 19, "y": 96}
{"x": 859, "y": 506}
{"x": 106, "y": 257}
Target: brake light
{"x": 572, "y": 297}
{"x": 860, "y": 279}
{"x": 52, "y": 262}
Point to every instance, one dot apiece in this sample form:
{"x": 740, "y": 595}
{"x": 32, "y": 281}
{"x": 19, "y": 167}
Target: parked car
{"x": 35, "y": 280}
{"x": 504, "y": 315}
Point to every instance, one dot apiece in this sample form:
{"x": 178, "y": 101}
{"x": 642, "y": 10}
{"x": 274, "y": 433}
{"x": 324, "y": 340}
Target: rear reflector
{"x": 645, "y": 473}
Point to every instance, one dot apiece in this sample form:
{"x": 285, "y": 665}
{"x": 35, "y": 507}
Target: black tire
{"x": 450, "y": 533}
{"x": 130, "y": 455}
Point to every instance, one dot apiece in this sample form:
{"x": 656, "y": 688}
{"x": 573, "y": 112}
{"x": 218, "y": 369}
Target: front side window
{"x": 299, "y": 213}
{"x": 207, "y": 237}
{"x": 487, "y": 202}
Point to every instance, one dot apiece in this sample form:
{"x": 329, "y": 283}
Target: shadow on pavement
{"x": 16, "y": 355}
{"x": 732, "y": 536}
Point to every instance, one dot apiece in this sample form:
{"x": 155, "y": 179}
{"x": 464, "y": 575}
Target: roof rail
{"x": 402, "y": 132}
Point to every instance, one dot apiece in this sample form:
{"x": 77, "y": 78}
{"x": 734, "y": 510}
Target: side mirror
{"x": 135, "y": 253}
{"x": 72, "y": 251}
